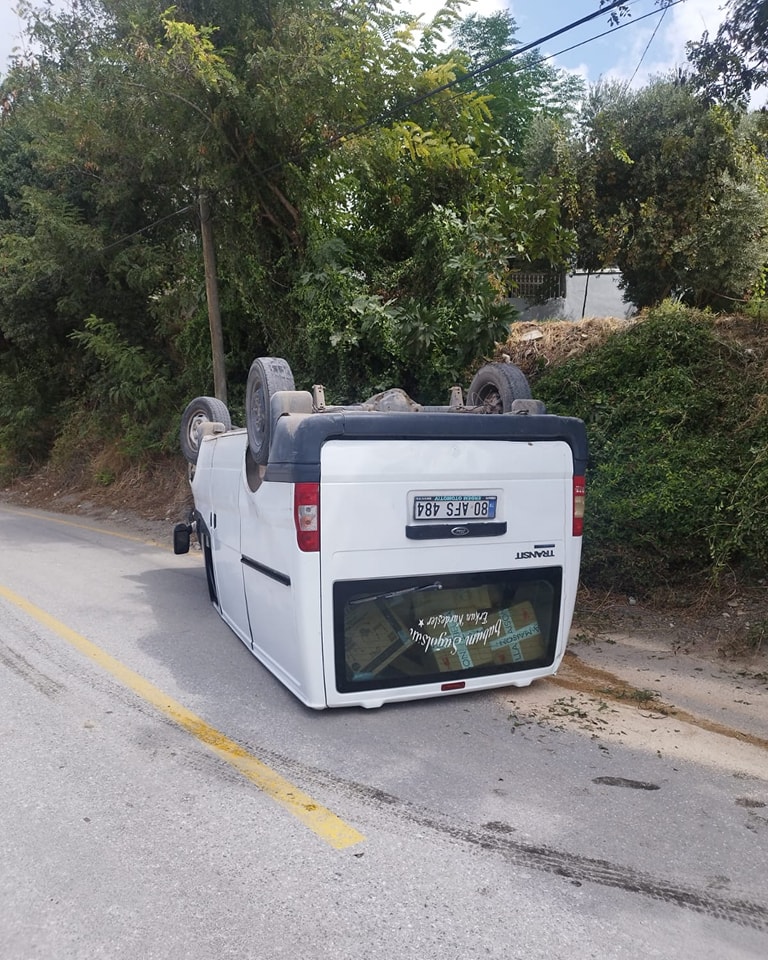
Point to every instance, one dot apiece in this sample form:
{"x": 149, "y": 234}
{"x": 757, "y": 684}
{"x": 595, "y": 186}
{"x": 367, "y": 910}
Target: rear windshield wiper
{"x": 398, "y": 593}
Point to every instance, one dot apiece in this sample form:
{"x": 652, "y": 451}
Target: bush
{"x": 30, "y": 403}
{"x": 419, "y": 325}
{"x": 130, "y": 388}
{"x": 677, "y": 417}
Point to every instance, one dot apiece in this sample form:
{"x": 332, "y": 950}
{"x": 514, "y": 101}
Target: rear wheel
{"x": 496, "y": 386}
{"x": 266, "y": 377}
{"x": 200, "y": 410}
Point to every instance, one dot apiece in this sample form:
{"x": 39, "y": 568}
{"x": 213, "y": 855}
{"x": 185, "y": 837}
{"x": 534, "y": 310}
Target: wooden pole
{"x": 586, "y": 291}
{"x": 212, "y": 296}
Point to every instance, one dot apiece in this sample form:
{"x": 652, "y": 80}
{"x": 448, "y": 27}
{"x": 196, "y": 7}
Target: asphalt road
{"x": 164, "y": 797}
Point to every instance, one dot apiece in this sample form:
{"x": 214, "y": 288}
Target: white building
{"x": 571, "y": 296}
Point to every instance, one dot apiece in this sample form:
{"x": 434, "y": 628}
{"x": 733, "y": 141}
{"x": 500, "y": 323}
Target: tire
{"x": 266, "y": 376}
{"x": 496, "y": 386}
{"x": 200, "y": 410}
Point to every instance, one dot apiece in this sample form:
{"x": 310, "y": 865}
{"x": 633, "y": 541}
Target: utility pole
{"x": 212, "y": 296}
{"x": 586, "y": 291}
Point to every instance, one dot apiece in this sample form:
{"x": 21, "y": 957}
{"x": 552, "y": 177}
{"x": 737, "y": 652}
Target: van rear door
{"x": 445, "y": 564}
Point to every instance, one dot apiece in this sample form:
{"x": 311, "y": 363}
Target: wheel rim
{"x": 195, "y": 422}
{"x": 490, "y": 398}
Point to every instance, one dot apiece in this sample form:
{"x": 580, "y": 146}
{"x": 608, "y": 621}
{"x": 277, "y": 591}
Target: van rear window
{"x": 414, "y": 630}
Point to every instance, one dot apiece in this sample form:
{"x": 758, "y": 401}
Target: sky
{"x": 622, "y": 55}
{"x": 625, "y": 55}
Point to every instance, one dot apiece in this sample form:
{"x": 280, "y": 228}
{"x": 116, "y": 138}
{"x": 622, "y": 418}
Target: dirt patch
{"x": 680, "y": 680}
{"x": 533, "y": 346}
{"x": 724, "y": 621}
{"x": 602, "y": 685}
{"x": 149, "y": 498}
{"x": 631, "y": 691}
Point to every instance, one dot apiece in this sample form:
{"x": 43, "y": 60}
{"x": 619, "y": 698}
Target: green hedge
{"x": 677, "y": 415}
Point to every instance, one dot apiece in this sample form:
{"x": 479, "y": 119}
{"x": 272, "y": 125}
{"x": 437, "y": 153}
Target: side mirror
{"x": 181, "y": 534}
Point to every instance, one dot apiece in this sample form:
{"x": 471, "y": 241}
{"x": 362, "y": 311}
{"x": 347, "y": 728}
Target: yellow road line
{"x": 50, "y": 518}
{"x": 318, "y": 818}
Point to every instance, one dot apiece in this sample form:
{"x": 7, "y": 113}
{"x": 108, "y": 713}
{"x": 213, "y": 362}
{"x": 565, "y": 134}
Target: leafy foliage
{"x": 671, "y": 191}
{"x": 308, "y": 127}
{"x": 729, "y": 67}
{"x": 448, "y": 312}
{"x": 678, "y": 475}
{"x": 127, "y": 382}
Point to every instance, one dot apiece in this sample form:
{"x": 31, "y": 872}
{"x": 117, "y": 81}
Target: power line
{"x": 149, "y": 226}
{"x": 621, "y": 26}
{"x": 484, "y": 68}
{"x": 648, "y": 45}
{"x": 607, "y": 33}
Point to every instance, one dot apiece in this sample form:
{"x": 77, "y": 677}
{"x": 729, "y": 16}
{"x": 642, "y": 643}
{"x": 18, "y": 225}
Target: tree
{"x": 71, "y": 238}
{"x": 522, "y": 88}
{"x": 669, "y": 190}
{"x": 312, "y": 127}
{"x": 729, "y": 67}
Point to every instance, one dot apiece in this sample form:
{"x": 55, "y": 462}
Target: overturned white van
{"x": 388, "y": 551}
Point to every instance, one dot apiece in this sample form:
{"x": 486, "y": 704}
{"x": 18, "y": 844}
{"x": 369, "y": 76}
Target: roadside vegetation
{"x": 676, "y": 407}
{"x": 370, "y": 198}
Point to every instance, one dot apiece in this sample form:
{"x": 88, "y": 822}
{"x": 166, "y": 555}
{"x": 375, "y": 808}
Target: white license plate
{"x": 454, "y": 506}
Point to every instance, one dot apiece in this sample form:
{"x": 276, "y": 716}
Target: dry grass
{"x": 156, "y": 488}
{"x": 533, "y": 346}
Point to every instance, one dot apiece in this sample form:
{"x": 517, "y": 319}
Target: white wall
{"x": 604, "y": 299}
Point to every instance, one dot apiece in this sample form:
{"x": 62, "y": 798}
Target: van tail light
{"x": 579, "y": 498}
{"x": 306, "y": 515}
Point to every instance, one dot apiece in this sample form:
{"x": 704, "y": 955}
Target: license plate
{"x": 454, "y": 506}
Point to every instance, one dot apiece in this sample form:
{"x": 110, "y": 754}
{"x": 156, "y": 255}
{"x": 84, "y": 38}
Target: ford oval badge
{"x": 459, "y": 531}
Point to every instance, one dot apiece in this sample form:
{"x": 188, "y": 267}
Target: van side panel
{"x": 282, "y": 588}
{"x": 224, "y": 529}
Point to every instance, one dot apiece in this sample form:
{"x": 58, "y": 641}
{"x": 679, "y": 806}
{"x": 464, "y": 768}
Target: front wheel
{"x": 496, "y": 386}
{"x": 200, "y": 410}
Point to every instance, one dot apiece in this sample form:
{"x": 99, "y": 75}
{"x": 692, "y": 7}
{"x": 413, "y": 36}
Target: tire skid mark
{"x": 19, "y": 665}
{"x": 498, "y": 838}
{"x": 588, "y": 870}
{"x": 592, "y": 681}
